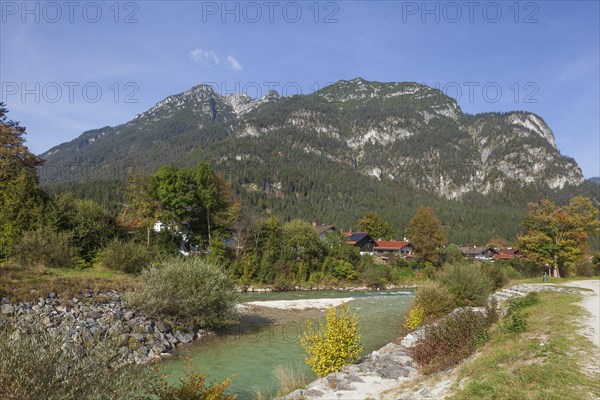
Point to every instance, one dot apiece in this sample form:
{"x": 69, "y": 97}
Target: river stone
{"x": 159, "y": 347}
{"x": 312, "y": 393}
{"x": 7, "y": 309}
{"x": 163, "y": 327}
{"x": 353, "y": 378}
{"x": 128, "y": 315}
{"x": 184, "y": 337}
{"x": 139, "y": 337}
{"x": 393, "y": 372}
{"x": 141, "y": 356}
{"x": 172, "y": 339}
{"x": 95, "y": 314}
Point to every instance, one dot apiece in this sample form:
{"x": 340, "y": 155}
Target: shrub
{"x": 515, "y": 320}
{"x": 567, "y": 270}
{"x": 515, "y": 323}
{"x": 585, "y": 269}
{"x": 518, "y": 303}
{"x": 45, "y": 247}
{"x": 130, "y": 257}
{"x": 415, "y": 317}
{"x": 435, "y": 299}
{"x": 403, "y": 275}
{"x": 38, "y": 365}
{"x": 521, "y": 267}
{"x": 451, "y": 340}
{"x": 467, "y": 284}
{"x": 343, "y": 270}
{"x": 401, "y": 262}
{"x": 452, "y": 254}
{"x": 188, "y": 290}
{"x": 429, "y": 270}
{"x": 496, "y": 274}
{"x": 192, "y": 387}
{"x": 335, "y": 345}
{"x": 375, "y": 277}
{"x": 512, "y": 272}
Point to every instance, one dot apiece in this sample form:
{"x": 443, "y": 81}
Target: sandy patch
{"x": 307, "y": 304}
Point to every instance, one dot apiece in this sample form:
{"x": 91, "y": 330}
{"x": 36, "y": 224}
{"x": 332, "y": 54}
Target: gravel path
{"x": 591, "y": 302}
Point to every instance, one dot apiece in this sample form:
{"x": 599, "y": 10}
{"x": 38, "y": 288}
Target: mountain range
{"x": 351, "y": 147}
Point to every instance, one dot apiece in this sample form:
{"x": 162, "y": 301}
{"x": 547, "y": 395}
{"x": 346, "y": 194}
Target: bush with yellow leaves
{"x": 335, "y": 345}
{"x": 415, "y": 317}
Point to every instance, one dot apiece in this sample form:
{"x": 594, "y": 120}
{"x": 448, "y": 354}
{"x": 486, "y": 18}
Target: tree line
{"x": 200, "y": 212}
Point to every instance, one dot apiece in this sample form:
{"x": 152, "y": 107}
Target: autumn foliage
{"x": 334, "y": 346}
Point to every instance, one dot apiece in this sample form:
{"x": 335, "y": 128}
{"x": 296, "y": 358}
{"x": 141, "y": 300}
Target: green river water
{"x": 251, "y": 349}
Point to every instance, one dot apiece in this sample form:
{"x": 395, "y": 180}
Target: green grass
{"x": 545, "y": 362}
{"x": 30, "y": 283}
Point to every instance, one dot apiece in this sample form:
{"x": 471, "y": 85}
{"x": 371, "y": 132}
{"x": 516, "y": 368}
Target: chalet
{"x": 323, "y": 230}
{"x": 506, "y": 254}
{"x": 403, "y": 249}
{"x": 478, "y": 253}
{"x": 361, "y": 240}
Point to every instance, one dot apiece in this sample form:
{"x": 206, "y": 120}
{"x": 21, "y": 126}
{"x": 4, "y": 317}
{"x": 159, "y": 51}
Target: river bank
{"x": 100, "y": 315}
{"x": 93, "y": 314}
{"x": 391, "y": 367}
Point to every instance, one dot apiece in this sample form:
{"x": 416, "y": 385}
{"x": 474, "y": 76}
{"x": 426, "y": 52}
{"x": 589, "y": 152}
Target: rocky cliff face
{"x": 405, "y": 133}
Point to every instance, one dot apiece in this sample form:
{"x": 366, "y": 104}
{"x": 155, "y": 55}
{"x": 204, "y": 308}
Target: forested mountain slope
{"x": 352, "y": 147}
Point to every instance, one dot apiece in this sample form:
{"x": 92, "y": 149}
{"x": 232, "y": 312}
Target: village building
{"x": 323, "y": 230}
{"x": 479, "y": 253}
{"x": 362, "y": 240}
{"x": 391, "y": 247}
{"x": 506, "y": 254}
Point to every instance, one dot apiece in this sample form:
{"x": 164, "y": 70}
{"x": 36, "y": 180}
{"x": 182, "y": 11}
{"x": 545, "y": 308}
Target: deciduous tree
{"x": 376, "y": 226}
{"x": 197, "y": 197}
{"x": 556, "y": 236}
{"x": 301, "y": 248}
{"x": 426, "y": 232}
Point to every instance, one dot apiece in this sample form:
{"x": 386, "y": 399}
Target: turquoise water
{"x": 251, "y": 349}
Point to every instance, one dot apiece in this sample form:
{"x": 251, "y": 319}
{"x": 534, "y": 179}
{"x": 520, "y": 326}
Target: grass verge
{"x": 29, "y": 283}
{"x": 550, "y": 360}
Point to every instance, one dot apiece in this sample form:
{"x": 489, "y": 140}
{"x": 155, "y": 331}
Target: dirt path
{"x": 591, "y": 302}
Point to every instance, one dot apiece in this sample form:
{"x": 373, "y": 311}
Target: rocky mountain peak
{"x": 404, "y": 132}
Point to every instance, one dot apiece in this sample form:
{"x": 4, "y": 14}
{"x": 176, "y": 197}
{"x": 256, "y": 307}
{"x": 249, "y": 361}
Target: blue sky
{"x": 542, "y": 57}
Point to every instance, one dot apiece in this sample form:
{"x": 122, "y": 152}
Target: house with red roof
{"x": 506, "y": 254}
{"x": 392, "y": 247}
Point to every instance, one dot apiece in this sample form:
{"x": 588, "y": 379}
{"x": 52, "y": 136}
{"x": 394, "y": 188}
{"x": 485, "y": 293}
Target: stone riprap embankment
{"x": 98, "y": 315}
{"x": 377, "y": 375}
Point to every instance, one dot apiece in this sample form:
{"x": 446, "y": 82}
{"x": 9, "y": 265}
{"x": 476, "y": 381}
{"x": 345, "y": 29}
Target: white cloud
{"x": 209, "y": 56}
{"x": 233, "y": 63}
